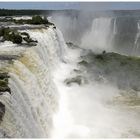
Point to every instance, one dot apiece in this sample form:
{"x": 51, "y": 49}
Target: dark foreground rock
{"x": 71, "y": 45}
{"x": 2, "y": 111}
{"x": 4, "y": 83}
{"x": 3, "y": 134}
{"x": 77, "y": 80}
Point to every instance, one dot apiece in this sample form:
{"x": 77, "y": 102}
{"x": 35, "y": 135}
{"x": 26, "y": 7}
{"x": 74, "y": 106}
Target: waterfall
{"x": 43, "y": 105}
{"x": 34, "y": 96}
{"x": 137, "y": 41}
{"x": 98, "y": 38}
{"x": 115, "y": 28}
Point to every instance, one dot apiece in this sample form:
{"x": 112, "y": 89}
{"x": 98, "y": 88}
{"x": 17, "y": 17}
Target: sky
{"x": 71, "y": 5}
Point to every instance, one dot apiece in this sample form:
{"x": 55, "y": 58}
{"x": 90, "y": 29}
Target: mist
{"x": 72, "y": 74}
{"x": 101, "y": 106}
{"x": 92, "y": 109}
{"x": 73, "y": 24}
{"x": 86, "y": 29}
{"x": 98, "y": 31}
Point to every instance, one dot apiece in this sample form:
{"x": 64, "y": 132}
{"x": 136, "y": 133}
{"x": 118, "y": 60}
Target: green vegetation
{"x": 15, "y": 12}
{"x": 110, "y": 57}
{"x": 15, "y": 36}
{"x": 4, "y": 82}
{"x": 4, "y": 75}
{"x": 134, "y": 58}
{"x": 36, "y": 20}
{"x": 83, "y": 62}
{"x": 99, "y": 56}
{"x": 10, "y": 35}
{"x": 120, "y": 70}
{"x": 3, "y": 88}
{"x": 8, "y": 12}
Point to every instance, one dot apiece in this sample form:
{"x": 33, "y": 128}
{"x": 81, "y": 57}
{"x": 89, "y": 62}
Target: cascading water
{"x": 137, "y": 40}
{"x": 33, "y": 97}
{"x": 87, "y": 110}
{"x": 52, "y": 95}
{"x": 114, "y": 27}
{"x": 99, "y": 37}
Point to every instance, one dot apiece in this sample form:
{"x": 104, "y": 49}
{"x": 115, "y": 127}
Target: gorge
{"x": 65, "y": 87}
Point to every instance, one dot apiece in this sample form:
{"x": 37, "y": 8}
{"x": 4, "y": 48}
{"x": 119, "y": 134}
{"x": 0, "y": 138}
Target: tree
{"x": 38, "y": 20}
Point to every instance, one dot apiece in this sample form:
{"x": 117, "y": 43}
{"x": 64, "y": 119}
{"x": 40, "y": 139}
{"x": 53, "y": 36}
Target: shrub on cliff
{"x": 36, "y": 20}
{"x": 4, "y": 82}
{"x": 15, "y": 36}
{"x": 4, "y": 31}
{"x": 10, "y": 35}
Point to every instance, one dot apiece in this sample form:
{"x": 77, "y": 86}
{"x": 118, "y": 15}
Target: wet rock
{"x": 29, "y": 40}
{"x": 4, "y": 75}
{"x": 2, "y": 111}
{"x": 8, "y": 57}
{"x": 77, "y": 71}
{"x": 5, "y": 89}
{"x": 4, "y": 83}
{"x": 3, "y": 134}
{"x": 83, "y": 62}
{"x": 78, "y": 80}
{"x": 72, "y": 45}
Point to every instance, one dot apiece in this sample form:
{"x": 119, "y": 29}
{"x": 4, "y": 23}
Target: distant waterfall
{"x": 114, "y": 27}
{"x": 33, "y": 100}
{"x": 137, "y": 41}
{"x": 99, "y": 35}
